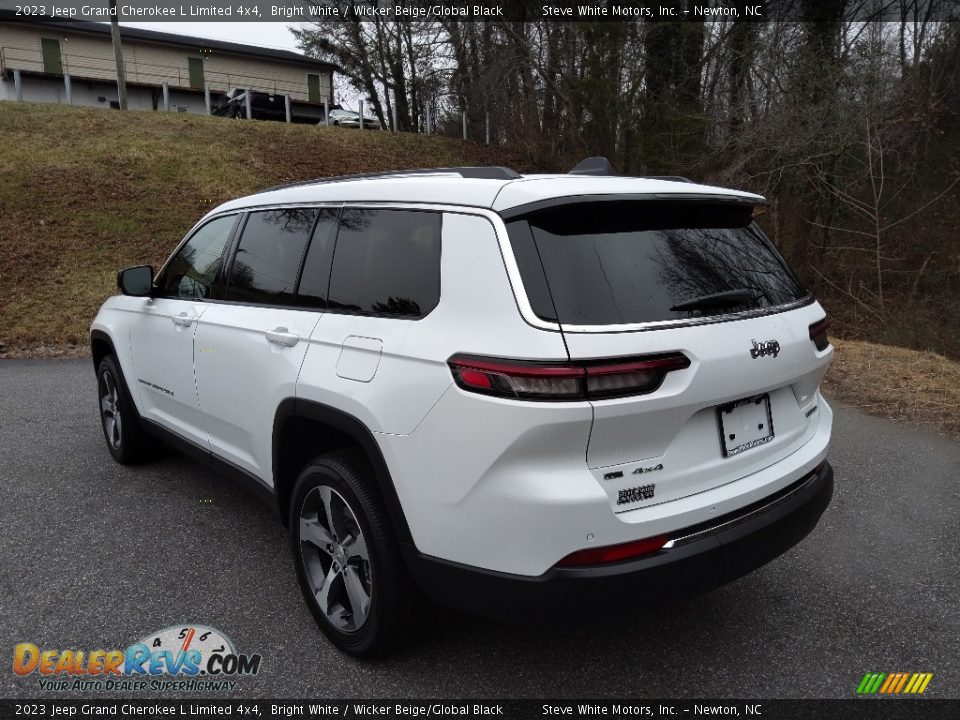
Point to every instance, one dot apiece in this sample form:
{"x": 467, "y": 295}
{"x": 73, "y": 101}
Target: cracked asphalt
{"x": 95, "y": 555}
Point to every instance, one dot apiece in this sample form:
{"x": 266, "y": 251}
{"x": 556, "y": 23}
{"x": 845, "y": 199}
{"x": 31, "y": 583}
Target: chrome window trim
{"x": 499, "y": 228}
{"x": 510, "y": 264}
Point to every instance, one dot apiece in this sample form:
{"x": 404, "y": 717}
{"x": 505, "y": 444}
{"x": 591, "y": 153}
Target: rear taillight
{"x": 818, "y": 333}
{"x": 590, "y": 380}
{"x": 614, "y": 553}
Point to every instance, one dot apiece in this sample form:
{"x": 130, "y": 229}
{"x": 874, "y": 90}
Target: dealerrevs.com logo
{"x": 183, "y": 658}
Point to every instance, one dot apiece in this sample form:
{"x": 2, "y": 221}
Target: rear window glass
{"x": 618, "y": 262}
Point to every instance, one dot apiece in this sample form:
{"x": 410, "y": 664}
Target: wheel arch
{"x": 302, "y": 429}
{"x": 101, "y": 345}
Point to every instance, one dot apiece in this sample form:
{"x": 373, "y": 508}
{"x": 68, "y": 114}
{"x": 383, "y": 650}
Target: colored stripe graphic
{"x": 903, "y": 680}
{"x": 891, "y": 680}
{"x": 894, "y": 683}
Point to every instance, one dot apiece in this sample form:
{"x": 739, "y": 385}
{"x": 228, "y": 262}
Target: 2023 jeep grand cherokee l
{"x": 513, "y": 394}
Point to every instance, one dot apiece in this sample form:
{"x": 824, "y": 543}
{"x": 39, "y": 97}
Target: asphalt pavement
{"x": 96, "y": 555}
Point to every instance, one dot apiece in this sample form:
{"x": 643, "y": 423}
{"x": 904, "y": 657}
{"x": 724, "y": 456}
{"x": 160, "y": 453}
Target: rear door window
{"x": 386, "y": 262}
{"x": 267, "y": 261}
{"x": 636, "y": 261}
{"x": 315, "y": 279}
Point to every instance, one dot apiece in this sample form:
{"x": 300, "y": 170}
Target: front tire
{"x": 347, "y": 559}
{"x": 126, "y": 439}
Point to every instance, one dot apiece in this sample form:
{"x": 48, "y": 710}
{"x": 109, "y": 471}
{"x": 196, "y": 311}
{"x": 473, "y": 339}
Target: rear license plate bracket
{"x": 745, "y": 424}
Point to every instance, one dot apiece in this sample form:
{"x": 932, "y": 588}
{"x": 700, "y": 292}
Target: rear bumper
{"x": 698, "y": 559}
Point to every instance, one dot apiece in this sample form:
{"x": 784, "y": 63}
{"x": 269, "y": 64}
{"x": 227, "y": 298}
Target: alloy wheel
{"x": 335, "y": 558}
{"x": 110, "y": 409}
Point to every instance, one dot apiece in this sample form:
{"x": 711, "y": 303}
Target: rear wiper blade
{"x": 727, "y": 298}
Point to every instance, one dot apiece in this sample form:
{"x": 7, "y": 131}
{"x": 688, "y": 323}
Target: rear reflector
{"x": 588, "y": 380}
{"x": 614, "y": 553}
{"x": 818, "y": 333}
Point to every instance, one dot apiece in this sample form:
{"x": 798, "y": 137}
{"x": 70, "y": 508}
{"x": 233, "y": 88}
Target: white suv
{"x": 521, "y": 396}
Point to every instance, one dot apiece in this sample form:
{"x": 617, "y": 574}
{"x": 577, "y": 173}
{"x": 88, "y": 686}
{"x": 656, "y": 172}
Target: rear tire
{"x": 126, "y": 439}
{"x": 347, "y": 558}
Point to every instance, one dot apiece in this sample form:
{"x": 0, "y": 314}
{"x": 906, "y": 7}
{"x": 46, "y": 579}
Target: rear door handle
{"x": 282, "y": 336}
{"x": 183, "y": 320}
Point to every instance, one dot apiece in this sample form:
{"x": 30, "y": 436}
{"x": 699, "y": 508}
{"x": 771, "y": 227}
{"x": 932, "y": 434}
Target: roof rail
{"x": 493, "y": 172}
{"x": 672, "y": 178}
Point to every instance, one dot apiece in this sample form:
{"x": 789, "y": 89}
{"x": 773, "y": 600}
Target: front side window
{"x": 386, "y": 262}
{"x": 193, "y": 270}
{"x": 267, "y": 262}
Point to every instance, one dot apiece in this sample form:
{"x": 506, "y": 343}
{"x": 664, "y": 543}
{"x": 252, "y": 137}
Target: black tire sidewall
{"x": 131, "y": 435}
{"x": 342, "y": 477}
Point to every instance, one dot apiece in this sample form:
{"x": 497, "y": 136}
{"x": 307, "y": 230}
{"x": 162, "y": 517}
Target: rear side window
{"x": 386, "y": 262}
{"x": 267, "y": 262}
{"x": 619, "y": 262}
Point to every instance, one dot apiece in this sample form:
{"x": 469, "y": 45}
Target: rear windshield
{"x": 617, "y": 262}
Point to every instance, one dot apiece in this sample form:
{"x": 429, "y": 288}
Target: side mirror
{"x": 136, "y": 281}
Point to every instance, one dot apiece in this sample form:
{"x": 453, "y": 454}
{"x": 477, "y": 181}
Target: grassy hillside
{"x": 895, "y": 382}
{"x": 84, "y": 192}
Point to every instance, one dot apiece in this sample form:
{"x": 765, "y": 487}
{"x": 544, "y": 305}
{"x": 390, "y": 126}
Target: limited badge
{"x": 635, "y": 494}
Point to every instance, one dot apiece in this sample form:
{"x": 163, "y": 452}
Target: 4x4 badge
{"x": 762, "y": 349}
{"x": 652, "y": 468}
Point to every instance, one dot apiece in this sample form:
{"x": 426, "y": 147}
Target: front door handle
{"x": 282, "y": 336}
{"x": 183, "y": 320}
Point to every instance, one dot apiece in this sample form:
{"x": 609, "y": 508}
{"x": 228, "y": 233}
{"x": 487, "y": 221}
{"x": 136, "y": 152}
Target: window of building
{"x": 313, "y": 88}
{"x": 386, "y": 262}
{"x": 195, "y": 66}
{"x": 50, "y": 53}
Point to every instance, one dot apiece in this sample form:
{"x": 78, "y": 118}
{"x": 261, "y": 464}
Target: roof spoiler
{"x": 601, "y": 167}
{"x": 597, "y": 165}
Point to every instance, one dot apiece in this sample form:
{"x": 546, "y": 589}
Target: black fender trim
{"x": 358, "y": 431}
{"x": 101, "y": 336}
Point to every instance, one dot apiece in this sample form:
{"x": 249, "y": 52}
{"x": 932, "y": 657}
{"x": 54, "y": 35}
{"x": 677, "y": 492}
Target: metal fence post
{"x": 17, "y": 86}
{"x": 286, "y": 106}
{"x": 427, "y": 124}
{"x": 394, "y": 109}
{"x": 361, "y": 114}
{"x": 464, "y": 124}
{"x": 486, "y": 121}
{"x": 68, "y": 89}
{"x": 206, "y": 98}
{"x": 326, "y": 112}
{"x": 166, "y": 95}
{"x": 249, "y": 103}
